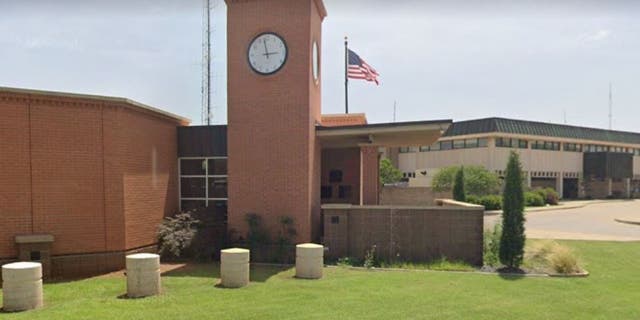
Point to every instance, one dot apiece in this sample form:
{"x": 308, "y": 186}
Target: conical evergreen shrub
{"x": 458, "y": 186}
{"x": 513, "y": 237}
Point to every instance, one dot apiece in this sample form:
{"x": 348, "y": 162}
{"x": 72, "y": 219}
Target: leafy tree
{"x": 513, "y": 237}
{"x": 458, "y": 186}
{"x": 389, "y": 173}
{"x": 478, "y": 181}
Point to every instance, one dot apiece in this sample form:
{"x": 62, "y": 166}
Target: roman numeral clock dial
{"x": 267, "y": 53}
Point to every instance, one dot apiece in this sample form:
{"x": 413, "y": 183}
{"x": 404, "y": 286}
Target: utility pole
{"x": 206, "y": 63}
{"x": 394, "y": 110}
{"x": 610, "y": 107}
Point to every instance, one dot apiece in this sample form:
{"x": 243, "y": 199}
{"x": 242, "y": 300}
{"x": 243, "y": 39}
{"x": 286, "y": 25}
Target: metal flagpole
{"x": 346, "y": 78}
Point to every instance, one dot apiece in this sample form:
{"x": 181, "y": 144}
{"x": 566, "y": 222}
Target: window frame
{"x": 206, "y": 177}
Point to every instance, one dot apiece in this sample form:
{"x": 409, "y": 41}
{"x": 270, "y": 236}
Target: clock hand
{"x": 270, "y": 53}
{"x": 265, "y": 48}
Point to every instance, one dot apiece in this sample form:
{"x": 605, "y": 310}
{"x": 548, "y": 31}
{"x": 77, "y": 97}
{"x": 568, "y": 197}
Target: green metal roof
{"x": 544, "y": 129}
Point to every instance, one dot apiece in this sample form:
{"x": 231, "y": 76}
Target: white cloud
{"x": 598, "y": 35}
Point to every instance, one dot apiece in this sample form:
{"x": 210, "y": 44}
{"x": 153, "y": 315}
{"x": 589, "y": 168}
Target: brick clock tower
{"x": 273, "y": 52}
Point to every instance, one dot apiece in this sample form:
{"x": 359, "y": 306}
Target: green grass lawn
{"x": 612, "y": 291}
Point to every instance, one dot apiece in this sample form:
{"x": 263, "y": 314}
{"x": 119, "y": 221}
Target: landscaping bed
{"x": 610, "y": 292}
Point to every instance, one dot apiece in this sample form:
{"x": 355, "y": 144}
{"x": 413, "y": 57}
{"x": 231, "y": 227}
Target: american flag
{"x": 359, "y": 69}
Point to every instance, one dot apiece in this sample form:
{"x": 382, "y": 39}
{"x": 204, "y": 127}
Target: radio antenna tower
{"x": 206, "y": 63}
{"x": 610, "y": 107}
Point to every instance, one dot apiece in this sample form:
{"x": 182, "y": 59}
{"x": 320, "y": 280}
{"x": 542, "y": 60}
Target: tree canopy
{"x": 478, "y": 181}
{"x": 389, "y": 173}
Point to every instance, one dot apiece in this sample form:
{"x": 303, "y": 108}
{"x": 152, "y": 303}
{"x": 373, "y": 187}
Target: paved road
{"x": 592, "y": 222}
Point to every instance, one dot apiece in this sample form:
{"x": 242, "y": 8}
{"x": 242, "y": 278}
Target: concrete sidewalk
{"x": 564, "y": 205}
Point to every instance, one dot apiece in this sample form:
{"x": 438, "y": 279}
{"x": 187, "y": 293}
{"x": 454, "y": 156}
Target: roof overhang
{"x": 416, "y": 133}
{"x": 31, "y": 93}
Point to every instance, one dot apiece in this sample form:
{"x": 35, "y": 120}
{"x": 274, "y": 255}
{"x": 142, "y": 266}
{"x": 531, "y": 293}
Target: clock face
{"x": 267, "y": 53}
{"x": 315, "y": 62}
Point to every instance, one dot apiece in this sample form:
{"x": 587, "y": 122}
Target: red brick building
{"x": 86, "y": 179}
{"x": 96, "y": 173}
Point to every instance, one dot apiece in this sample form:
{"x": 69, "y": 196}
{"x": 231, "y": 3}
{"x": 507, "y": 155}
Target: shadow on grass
{"x": 258, "y": 273}
{"x": 511, "y": 274}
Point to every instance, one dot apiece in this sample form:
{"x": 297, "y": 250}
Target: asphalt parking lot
{"x": 592, "y": 222}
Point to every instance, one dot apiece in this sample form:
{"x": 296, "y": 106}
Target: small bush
{"x": 285, "y": 239}
{"x": 491, "y": 246}
{"x": 549, "y": 256}
{"x": 536, "y": 257}
{"x": 257, "y": 234}
{"x": 348, "y": 262}
{"x": 176, "y": 235}
{"x": 533, "y": 199}
{"x": 564, "y": 261}
{"x": 490, "y": 202}
{"x": 549, "y": 195}
{"x": 471, "y": 198}
{"x": 370, "y": 259}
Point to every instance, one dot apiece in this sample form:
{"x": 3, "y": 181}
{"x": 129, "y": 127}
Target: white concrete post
{"x": 560, "y": 184}
{"x": 309, "y": 261}
{"x": 627, "y": 189}
{"x": 22, "y": 286}
{"x": 234, "y": 268}
{"x": 143, "y": 275}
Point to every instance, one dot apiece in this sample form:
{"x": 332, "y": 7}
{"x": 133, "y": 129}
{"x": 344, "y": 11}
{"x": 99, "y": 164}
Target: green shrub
{"x": 257, "y": 234}
{"x": 176, "y": 234}
{"x": 533, "y": 199}
{"x": 490, "y": 202}
{"x": 513, "y": 237}
{"x": 491, "y": 246}
{"x": 471, "y": 198}
{"x": 389, "y": 173}
{"x": 551, "y": 197}
{"x": 285, "y": 239}
{"x": 477, "y": 180}
{"x": 458, "y": 186}
{"x": 370, "y": 258}
{"x": 348, "y": 262}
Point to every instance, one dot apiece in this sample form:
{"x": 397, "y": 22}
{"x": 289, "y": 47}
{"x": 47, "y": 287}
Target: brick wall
{"x": 411, "y": 196}
{"x": 346, "y": 160}
{"x": 15, "y": 176}
{"x": 97, "y": 175}
{"x": 405, "y": 234}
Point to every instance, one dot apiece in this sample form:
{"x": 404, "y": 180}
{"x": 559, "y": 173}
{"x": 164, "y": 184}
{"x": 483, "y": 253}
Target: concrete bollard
{"x": 309, "y": 261}
{"x": 234, "y": 268}
{"x": 143, "y": 275}
{"x": 22, "y": 286}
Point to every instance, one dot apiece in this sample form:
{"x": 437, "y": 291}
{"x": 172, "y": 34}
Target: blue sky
{"x": 534, "y": 60}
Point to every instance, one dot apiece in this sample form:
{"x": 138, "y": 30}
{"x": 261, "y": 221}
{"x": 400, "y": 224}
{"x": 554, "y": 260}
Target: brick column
{"x": 369, "y": 175}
